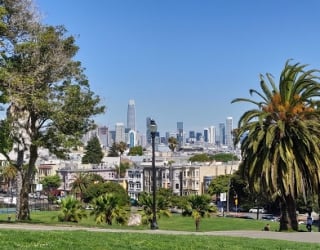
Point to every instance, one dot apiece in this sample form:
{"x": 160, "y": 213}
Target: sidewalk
{"x": 312, "y": 237}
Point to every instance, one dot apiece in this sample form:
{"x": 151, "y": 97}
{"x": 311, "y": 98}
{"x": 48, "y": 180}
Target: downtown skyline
{"x": 184, "y": 60}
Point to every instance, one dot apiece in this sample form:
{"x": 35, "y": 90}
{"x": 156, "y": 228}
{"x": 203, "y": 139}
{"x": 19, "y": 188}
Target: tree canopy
{"x": 94, "y": 153}
{"x": 47, "y": 94}
{"x": 281, "y": 137}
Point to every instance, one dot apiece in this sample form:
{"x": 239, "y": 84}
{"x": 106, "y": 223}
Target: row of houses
{"x": 173, "y": 171}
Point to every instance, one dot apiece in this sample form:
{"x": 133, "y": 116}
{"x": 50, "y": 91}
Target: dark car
{"x": 270, "y": 217}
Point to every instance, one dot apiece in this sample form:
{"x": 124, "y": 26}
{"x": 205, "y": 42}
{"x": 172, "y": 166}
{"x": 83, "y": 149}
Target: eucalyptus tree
{"x": 49, "y": 100}
{"x": 280, "y": 148}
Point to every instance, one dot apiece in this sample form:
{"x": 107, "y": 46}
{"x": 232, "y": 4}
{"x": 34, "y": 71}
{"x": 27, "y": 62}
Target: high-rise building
{"x": 180, "y": 133}
{"x": 212, "y": 135}
{"x": 131, "y": 115}
{"x": 222, "y": 131}
{"x": 120, "y": 132}
{"x": 103, "y": 135}
{"x": 229, "y": 128}
{"x": 206, "y": 135}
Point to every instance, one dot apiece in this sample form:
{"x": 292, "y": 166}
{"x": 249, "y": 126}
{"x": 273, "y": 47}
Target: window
{"x": 177, "y": 185}
{"x": 138, "y": 184}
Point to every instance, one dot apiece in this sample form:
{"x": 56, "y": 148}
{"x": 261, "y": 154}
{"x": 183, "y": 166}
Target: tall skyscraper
{"x": 120, "y": 132}
{"x": 206, "y": 135}
{"x": 180, "y": 133}
{"x": 131, "y": 115}
{"x": 103, "y": 135}
{"x": 212, "y": 135}
{"x": 229, "y": 128}
{"x": 222, "y": 132}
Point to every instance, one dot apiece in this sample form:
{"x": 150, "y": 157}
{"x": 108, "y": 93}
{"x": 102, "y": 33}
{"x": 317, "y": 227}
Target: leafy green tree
{"x": 71, "y": 210}
{"x": 137, "y": 150}
{"x": 281, "y": 138}
{"x": 106, "y": 208}
{"x": 95, "y": 189}
{"x": 220, "y": 184}
{"x": 223, "y": 157}
{"x": 93, "y": 153}
{"x": 51, "y": 182}
{"x": 200, "y": 158}
{"x": 50, "y": 104}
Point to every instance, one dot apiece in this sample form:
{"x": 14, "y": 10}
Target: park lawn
{"x": 175, "y": 222}
{"x": 83, "y": 240}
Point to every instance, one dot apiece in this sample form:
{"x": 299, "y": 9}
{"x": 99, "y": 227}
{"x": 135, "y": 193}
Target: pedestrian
{"x": 309, "y": 223}
{"x": 266, "y": 227}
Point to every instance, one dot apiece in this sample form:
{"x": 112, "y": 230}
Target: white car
{"x": 255, "y": 210}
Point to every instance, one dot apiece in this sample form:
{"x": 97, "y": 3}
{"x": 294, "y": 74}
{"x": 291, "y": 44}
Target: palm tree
{"x": 106, "y": 208}
{"x": 80, "y": 184}
{"x": 172, "y": 143}
{"x": 280, "y": 139}
{"x": 146, "y": 201}
{"x": 9, "y": 174}
{"x": 199, "y": 206}
{"x": 71, "y": 210}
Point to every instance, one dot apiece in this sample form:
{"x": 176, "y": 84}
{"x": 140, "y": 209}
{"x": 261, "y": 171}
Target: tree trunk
{"x": 288, "y": 219}
{"x": 197, "y": 224}
{"x": 26, "y": 174}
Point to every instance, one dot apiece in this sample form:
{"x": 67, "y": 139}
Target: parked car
{"x": 255, "y": 210}
{"x": 270, "y": 217}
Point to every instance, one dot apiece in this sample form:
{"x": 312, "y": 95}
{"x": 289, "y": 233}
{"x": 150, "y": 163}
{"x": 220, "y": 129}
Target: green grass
{"x": 79, "y": 240}
{"x": 175, "y": 222}
{"x": 23, "y": 239}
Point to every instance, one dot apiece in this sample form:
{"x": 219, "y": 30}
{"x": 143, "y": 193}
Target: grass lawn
{"x": 22, "y": 239}
{"x": 175, "y": 222}
{"x": 58, "y": 240}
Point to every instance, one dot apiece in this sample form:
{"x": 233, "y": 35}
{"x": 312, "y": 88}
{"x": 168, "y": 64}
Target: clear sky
{"x": 184, "y": 60}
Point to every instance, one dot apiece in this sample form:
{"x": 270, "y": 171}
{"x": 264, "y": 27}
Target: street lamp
{"x": 153, "y": 130}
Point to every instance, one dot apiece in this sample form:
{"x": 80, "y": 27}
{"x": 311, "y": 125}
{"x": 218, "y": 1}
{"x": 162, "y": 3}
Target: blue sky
{"x": 184, "y": 60}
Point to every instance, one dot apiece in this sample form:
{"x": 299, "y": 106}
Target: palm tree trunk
{"x": 288, "y": 219}
{"x": 197, "y": 224}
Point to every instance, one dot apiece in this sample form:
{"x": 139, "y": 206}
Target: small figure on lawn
{"x": 266, "y": 227}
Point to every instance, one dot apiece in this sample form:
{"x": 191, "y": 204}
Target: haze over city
{"x": 184, "y": 60}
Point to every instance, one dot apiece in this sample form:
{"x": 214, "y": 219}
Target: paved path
{"x": 312, "y": 237}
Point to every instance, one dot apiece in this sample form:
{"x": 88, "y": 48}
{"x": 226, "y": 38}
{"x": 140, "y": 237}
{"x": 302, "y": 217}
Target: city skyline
{"x": 131, "y": 113}
{"x": 184, "y": 60}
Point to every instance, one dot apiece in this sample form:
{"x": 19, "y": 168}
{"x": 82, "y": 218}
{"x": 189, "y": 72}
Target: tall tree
{"x": 94, "y": 153}
{"x": 280, "y": 148}
{"x": 49, "y": 100}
